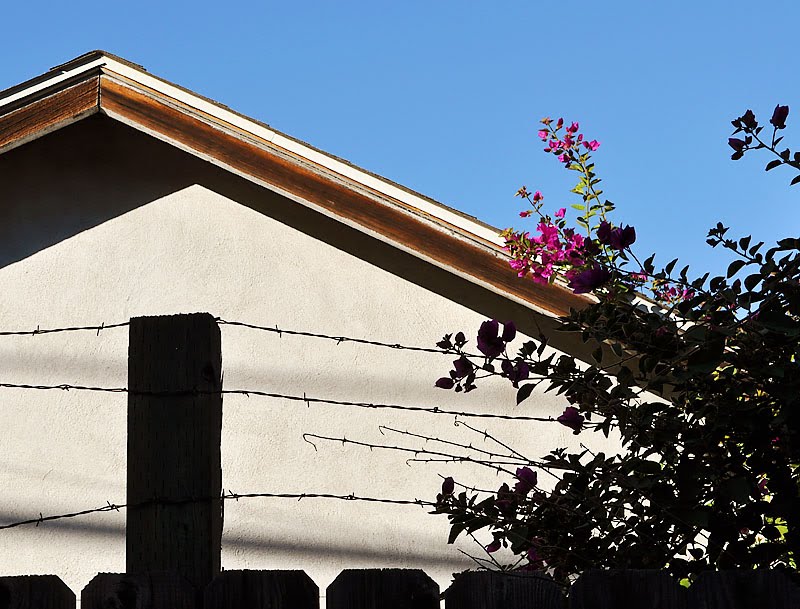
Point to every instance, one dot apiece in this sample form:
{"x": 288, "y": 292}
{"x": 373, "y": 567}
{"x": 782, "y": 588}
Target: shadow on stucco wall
{"x": 98, "y": 169}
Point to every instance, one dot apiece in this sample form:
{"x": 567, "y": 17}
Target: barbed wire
{"x": 339, "y": 339}
{"x": 308, "y": 400}
{"x": 334, "y": 338}
{"x": 225, "y": 496}
{"x": 39, "y": 330}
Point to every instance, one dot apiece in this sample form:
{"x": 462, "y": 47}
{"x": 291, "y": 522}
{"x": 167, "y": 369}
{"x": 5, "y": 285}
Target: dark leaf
{"x": 524, "y": 392}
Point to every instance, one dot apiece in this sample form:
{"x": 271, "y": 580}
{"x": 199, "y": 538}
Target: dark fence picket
{"x": 383, "y": 589}
{"x": 35, "y": 592}
{"x": 632, "y": 589}
{"x": 496, "y": 590}
{"x": 744, "y": 590}
{"x": 174, "y": 446}
{"x": 139, "y": 591}
{"x": 262, "y": 590}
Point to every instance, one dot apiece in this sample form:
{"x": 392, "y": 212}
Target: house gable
{"x": 99, "y": 83}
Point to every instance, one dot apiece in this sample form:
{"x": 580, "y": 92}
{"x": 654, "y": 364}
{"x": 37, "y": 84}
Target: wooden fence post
{"x": 496, "y": 590}
{"x": 35, "y": 592}
{"x": 142, "y": 591}
{"x": 262, "y": 590}
{"x": 383, "y": 589}
{"x": 174, "y": 446}
{"x": 739, "y": 589}
{"x": 629, "y": 588}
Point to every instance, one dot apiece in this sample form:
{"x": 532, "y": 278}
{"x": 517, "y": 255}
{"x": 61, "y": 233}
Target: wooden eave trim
{"x": 238, "y": 131}
{"x": 49, "y": 111}
{"x": 171, "y": 121}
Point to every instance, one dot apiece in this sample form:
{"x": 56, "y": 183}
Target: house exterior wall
{"x": 101, "y": 224}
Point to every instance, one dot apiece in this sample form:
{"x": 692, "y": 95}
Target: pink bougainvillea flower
{"x": 526, "y": 213}
{"x": 509, "y": 331}
{"x": 462, "y": 367}
{"x": 560, "y": 123}
{"x": 526, "y": 480}
{"x": 736, "y": 143}
{"x": 489, "y": 343}
{"x": 573, "y": 128}
{"x": 515, "y": 371}
{"x": 563, "y": 158}
{"x": 749, "y": 119}
{"x": 778, "y": 119}
{"x": 538, "y": 196}
{"x": 572, "y": 419}
{"x": 588, "y": 280}
{"x": 560, "y": 213}
{"x": 617, "y": 238}
{"x": 543, "y": 135}
{"x": 593, "y": 145}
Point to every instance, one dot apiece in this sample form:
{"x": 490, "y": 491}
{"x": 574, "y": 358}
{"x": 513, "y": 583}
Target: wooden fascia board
{"x": 410, "y": 229}
{"x": 299, "y": 179}
{"x": 49, "y": 110}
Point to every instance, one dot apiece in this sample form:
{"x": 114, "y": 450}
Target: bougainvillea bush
{"x": 698, "y": 376}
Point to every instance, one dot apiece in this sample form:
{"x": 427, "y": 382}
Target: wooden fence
{"x": 407, "y": 589}
{"x": 174, "y": 452}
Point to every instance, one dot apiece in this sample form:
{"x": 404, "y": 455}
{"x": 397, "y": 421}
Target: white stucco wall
{"x": 101, "y": 224}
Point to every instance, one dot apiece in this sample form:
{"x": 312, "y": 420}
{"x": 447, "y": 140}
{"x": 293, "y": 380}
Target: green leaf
{"x": 734, "y": 267}
{"x": 751, "y": 281}
{"x": 737, "y": 489}
{"x": 524, "y": 392}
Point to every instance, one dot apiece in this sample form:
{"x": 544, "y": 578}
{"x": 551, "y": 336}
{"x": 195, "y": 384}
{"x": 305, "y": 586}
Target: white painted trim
{"x": 56, "y": 79}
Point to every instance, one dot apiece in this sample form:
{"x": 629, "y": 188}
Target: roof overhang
{"x": 102, "y": 83}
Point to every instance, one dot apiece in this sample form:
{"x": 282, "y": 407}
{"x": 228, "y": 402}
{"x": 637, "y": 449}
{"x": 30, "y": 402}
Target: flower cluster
{"x": 565, "y": 148}
{"x": 552, "y": 248}
{"x": 594, "y": 256}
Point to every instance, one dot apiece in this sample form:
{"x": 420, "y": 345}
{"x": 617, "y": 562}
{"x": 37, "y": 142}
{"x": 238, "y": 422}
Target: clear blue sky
{"x": 444, "y": 97}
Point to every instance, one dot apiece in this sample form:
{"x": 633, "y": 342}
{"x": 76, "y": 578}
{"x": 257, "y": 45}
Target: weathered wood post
{"x": 174, "y": 446}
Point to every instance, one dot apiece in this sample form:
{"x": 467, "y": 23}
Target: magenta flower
{"x": 537, "y": 196}
{"x": 778, "y": 119}
{"x": 749, "y": 120}
{"x": 572, "y": 419}
{"x": 573, "y": 128}
{"x": 494, "y": 546}
{"x": 462, "y": 367}
{"x": 526, "y": 480}
{"x": 617, "y": 238}
{"x": 489, "y": 343}
{"x": 736, "y": 143}
{"x": 593, "y": 145}
{"x": 563, "y": 158}
{"x": 543, "y": 135}
{"x": 515, "y": 372}
{"x": 560, "y": 213}
{"x": 509, "y": 331}
{"x": 589, "y": 280}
